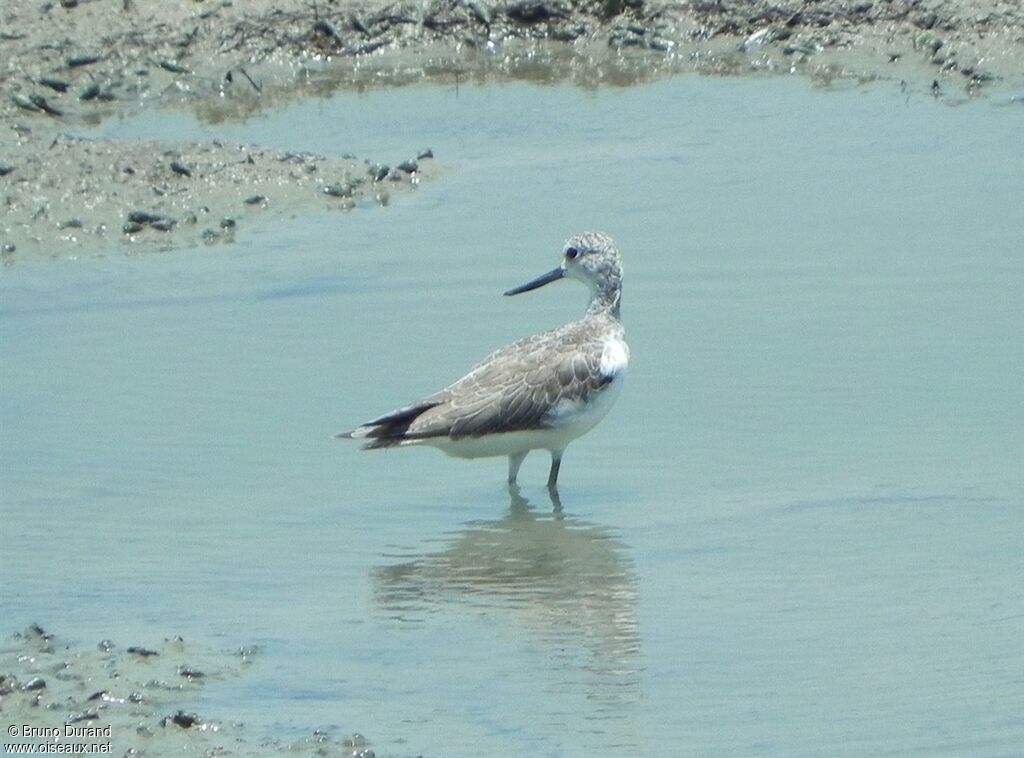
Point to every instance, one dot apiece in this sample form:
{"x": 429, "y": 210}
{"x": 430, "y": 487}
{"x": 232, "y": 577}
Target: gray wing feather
{"x": 516, "y": 388}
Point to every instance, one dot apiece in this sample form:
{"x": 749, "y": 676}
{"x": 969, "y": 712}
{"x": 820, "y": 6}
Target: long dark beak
{"x": 551, "y": 276}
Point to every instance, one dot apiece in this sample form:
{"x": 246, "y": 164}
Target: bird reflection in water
{"x": 567, "y": 582}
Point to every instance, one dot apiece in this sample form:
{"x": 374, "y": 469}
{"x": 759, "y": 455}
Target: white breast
{"x": 614, "y": 358}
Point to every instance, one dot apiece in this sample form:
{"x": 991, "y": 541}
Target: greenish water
{"x": 799, "y": 532}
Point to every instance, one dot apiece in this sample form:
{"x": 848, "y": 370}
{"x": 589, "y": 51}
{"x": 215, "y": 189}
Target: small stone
{"x": 133, "y": 227}
{"x": 409, "y": 167}
{"x": 173, "y": 67}
{"x": 378, "y": 171}
{"x": 180, "y": 169}
{"x": 24, "y": 103}
{"x": 427, "y": 153}
{"x": 83, "y": 716}
{"x": 182, "y": 719}
{"x": 142, "y": 217}
{"x": 256, "y": 200}
{"x": 35, "y": 683}
{"x": 163, "y": 224}
{"x": 340, "y": 189}
{"x": 227, "y": 223}
{"x": 83, "y": 60}
{"x": 143, "y": 652}
{"x": 57, "y": 85}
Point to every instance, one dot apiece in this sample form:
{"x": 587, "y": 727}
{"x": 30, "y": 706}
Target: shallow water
{"x": 798, "y": 533}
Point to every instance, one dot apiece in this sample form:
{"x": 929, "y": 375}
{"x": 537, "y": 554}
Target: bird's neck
{"x": 605, "y": 302}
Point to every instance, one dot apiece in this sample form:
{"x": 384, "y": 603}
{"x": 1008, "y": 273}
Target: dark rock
{"x": 143, "y": 652}
{"x": 182, "y": 719}
{"x": 57, "y": 85}
{"x": 142, "y": 217}
{"x": 173, "y": 67}
{"x": 535, "y": 11}
{"x": 83, "y": 60}
{"x": 41, "y": 103}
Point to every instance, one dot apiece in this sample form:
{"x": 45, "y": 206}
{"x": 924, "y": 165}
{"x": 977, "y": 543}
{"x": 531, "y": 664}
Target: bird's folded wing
{"x": 514, "y": 391}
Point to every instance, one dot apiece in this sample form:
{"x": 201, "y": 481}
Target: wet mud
{"x": 134, "y": 700}
{"x": 69, "y": 65}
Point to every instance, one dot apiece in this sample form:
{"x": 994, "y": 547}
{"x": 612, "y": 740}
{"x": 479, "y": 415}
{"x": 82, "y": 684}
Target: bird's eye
{"x": 572, "y": 253}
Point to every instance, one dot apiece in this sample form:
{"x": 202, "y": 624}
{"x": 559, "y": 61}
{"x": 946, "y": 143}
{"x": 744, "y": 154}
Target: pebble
{"x": 409, "y": 167}
{"x": 144, "y": 652}
{"x": 340, "y": 189}
{"x": 42, "y": 104}
{"x": 83, "y": 60}
{"x": 35, "y": 683}
{"x": 182, "y": 719}
{"x": 180, "y": 168}
{"x": 142, "y": 217}
{"x": 57, "y": 85}
{"x": 24, "y": 103}
{"x": 256, "y": 200}
{"x": 83, "y": 716}
{"x": 173, "y": 67}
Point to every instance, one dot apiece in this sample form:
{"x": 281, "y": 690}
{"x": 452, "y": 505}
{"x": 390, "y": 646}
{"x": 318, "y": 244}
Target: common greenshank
{"x": 538, "y": 393}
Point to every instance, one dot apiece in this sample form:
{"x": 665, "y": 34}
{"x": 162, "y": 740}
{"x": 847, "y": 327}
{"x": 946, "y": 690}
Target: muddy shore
{"x": 135, "y": 700}
{"x": 67, "y": 66}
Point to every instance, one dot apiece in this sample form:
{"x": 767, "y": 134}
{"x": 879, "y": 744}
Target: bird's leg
{"x": 514, "y": 462}
{"x": 556, "y": 463}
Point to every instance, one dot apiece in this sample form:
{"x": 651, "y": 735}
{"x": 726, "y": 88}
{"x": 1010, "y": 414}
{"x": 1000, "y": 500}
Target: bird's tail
{"x": 390, "y": 429}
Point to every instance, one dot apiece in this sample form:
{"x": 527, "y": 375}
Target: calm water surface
{"x": 800, "y": 532}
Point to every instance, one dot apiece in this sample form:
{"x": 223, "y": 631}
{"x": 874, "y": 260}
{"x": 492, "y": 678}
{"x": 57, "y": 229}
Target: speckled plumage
{"x": 540, "y": 392}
